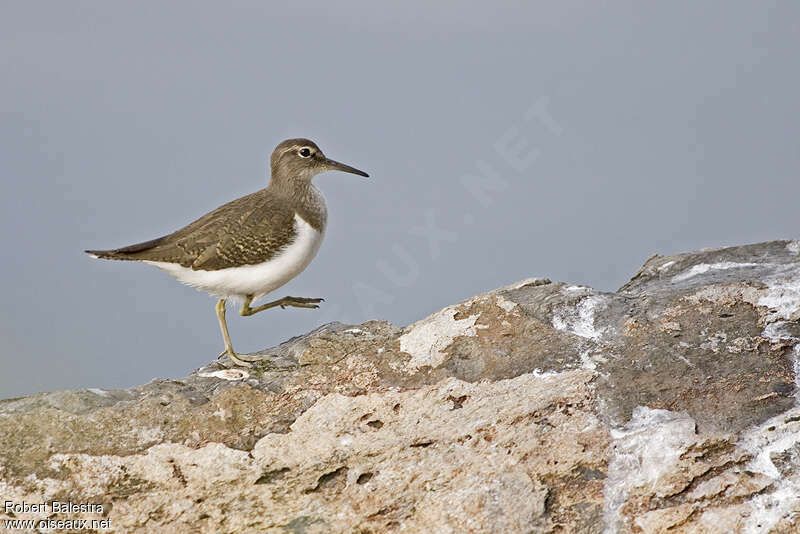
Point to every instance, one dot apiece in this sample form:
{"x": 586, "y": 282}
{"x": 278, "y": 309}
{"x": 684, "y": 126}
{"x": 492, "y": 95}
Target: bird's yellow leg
{"x": 243, "y": 360}
{"x": 223, "y": 325}
{"x": 296, "y": 302}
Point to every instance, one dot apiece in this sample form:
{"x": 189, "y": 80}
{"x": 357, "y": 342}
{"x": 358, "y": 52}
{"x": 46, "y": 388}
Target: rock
{"x": 670, "y": 405}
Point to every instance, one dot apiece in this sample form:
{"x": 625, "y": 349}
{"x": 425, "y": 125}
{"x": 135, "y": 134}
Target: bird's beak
{"x": 332, "y": 165}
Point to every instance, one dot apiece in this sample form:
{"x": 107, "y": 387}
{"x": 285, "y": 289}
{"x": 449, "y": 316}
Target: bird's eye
{"x": 305, "y": 152}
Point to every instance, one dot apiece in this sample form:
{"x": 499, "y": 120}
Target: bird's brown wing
{"x": 246, "y": 231}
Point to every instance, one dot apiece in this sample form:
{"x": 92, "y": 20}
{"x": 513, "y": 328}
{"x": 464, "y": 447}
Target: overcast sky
{"x": 563, "y": 139}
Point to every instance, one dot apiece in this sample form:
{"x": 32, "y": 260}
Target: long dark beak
{"x": 336, "y": 166}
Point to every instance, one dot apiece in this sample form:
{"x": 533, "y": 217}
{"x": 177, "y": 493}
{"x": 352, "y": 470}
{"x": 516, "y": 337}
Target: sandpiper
{"x": 253, "y": 245}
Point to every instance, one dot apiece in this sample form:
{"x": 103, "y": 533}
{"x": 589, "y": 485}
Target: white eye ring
{"x": 304, "y": 152}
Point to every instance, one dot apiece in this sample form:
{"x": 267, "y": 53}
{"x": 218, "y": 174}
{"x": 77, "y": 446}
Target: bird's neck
{"x": 305, "y": 199}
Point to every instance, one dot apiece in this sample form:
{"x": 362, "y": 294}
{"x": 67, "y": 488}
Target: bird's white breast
{"x": 258, "y": 279}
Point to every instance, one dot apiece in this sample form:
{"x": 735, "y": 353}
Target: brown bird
{"x": 253, "y": 245}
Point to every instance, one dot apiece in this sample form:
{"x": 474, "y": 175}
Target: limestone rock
{"x": 670, "y": 405}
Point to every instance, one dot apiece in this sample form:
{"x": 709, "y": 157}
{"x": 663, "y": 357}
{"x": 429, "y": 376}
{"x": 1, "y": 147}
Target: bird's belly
{"x": 257, "y": 279}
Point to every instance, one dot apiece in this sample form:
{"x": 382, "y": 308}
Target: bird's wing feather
{"x": 246, "y": 231}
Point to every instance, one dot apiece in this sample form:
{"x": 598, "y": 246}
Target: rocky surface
{"x": 668, "y": 406}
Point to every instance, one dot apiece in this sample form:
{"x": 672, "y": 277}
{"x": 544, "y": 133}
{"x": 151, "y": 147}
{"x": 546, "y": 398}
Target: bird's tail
{"x": 106, "y": 254}
{"x": 124, "y": 253}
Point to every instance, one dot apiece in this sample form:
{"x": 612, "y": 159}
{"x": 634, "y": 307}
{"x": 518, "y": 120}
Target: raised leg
{"x": 296, "y": 302}
{"x": 223, "y": 325}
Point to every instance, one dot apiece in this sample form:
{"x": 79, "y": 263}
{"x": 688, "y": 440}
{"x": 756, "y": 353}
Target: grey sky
{"x": 662, "y": 127}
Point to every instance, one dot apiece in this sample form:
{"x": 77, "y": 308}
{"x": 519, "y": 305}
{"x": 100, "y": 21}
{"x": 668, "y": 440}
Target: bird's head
{"x": 301, "y": 160}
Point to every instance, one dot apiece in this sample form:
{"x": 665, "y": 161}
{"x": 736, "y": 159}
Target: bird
{"x": 251, "y": 246}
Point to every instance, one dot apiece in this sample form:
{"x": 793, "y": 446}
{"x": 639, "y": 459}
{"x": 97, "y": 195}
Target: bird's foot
{"x": 300, "y": 302}
{"x": 295, "y": 302}
{"x": 241, "y": 360}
